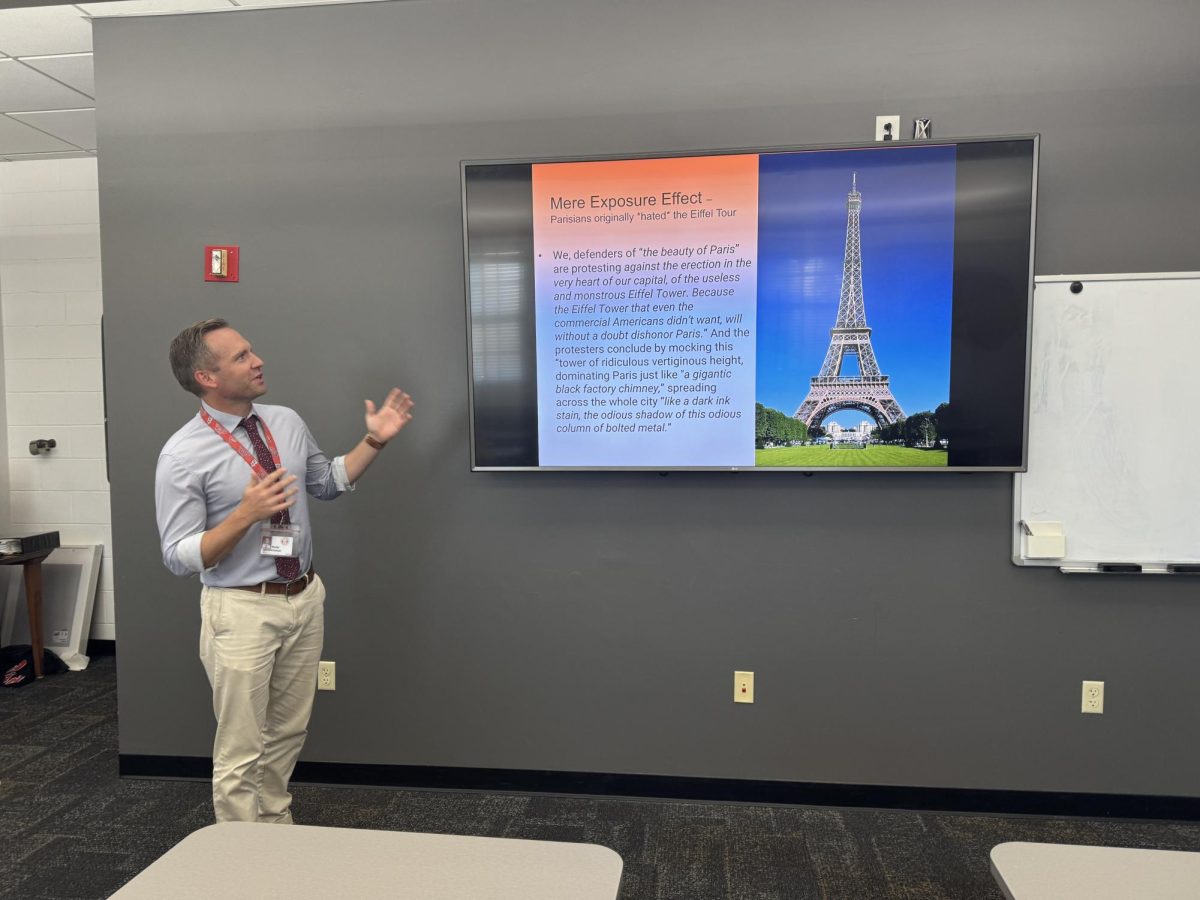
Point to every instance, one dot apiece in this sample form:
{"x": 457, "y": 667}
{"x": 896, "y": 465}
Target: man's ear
{"x": 204, "y": 379}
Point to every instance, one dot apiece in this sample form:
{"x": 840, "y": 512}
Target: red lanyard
{"x": 233, "y": 442}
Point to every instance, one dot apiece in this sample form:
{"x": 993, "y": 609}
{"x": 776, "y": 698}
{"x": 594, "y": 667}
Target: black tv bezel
{"x": 1033, "y": 138}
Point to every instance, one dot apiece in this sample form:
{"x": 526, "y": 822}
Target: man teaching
{"x": 229, "y": 507}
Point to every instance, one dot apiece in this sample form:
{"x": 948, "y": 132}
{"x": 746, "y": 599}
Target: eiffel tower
{"x": 867, "y": 391}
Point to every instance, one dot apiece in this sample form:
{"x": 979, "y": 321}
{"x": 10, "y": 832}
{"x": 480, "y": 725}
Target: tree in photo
{"x": 920, "y": 430}
{"x": 943, "y": 421}
{"x": 890, "y": 434}
{"x": 774, "y": 428}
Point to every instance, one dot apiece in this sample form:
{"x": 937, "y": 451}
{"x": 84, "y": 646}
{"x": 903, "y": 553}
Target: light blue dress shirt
{"x": 200, "y": 480}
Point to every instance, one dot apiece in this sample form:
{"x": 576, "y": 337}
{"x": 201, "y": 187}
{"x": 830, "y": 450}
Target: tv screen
{"x": 802, "y": 309}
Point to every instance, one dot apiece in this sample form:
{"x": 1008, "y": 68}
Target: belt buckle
{"x": 287, "y": 588}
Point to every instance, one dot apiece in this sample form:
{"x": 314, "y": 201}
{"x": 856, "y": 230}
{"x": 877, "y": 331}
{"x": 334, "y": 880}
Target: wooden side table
{"x": 32, "y": 563}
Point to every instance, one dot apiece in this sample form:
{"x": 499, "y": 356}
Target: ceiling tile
{"x": 22, "y": 89}
{"x": 17, "y": 137}
{"x": 74, "y": 70}
{"x": 140, "y": 7}
{"x": 44, "y": 29}
{"x": 75, "y": 126}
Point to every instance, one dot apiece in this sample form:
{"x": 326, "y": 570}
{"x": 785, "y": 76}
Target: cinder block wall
{"x": 50, "y": 293}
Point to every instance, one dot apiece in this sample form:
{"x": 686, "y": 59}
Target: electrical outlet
{"x": 887, "y": 128}
{"x": 326, "y": 676}
{"x": 743, "y": 687}
{"x": 1093, "y": 696}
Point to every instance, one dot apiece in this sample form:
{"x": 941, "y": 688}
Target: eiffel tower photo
{"x": 868, "y": 391}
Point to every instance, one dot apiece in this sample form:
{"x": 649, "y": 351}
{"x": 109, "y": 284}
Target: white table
{"x": 1027, "y": 871}
{"x": 235, "y": 860}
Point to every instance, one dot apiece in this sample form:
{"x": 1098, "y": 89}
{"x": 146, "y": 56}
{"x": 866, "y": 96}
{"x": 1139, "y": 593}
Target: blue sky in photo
{"x": 907, "y": 231}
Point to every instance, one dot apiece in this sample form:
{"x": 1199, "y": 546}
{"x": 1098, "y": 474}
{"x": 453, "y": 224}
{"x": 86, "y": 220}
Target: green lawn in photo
{"x": 816, "y": 457}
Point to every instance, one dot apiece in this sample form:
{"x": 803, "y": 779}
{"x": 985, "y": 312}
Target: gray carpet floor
{"x": 73, "y": 830}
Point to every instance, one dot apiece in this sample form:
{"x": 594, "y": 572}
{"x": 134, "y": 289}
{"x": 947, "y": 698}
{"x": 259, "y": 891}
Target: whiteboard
{"x": 1114, "y": 435}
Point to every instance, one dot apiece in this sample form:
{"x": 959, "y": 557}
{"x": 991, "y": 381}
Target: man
{"x": 227, "y": 491}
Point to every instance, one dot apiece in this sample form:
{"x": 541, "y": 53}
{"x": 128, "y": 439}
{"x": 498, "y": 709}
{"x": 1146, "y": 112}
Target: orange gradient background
{"x": 729, "y": 182}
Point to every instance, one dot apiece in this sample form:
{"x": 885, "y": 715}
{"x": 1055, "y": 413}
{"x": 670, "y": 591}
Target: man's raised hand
{"x": 394, "y": 413}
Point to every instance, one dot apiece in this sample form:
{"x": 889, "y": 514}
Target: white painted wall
{"x": 51, "y": 301}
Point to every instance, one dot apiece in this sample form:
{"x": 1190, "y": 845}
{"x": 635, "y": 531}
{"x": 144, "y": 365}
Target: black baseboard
{"x": 670, "y": 787}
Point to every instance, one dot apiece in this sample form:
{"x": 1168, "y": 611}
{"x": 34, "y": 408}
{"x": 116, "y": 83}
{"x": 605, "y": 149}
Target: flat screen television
{"x": 860, "y": 307}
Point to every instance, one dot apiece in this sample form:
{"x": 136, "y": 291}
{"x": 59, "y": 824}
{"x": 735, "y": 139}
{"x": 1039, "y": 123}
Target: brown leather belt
{"x": 287, "y": 588}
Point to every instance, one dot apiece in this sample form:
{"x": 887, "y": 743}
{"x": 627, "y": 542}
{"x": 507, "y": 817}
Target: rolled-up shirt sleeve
{"x": 325, "y": 478}
{"x": 182, "y": 516}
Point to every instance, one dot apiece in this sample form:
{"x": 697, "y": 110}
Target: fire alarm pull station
{"x": 220, "y": 263}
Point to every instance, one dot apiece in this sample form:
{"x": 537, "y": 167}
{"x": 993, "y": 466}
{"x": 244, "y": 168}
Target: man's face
{"x": 237, "y": 373}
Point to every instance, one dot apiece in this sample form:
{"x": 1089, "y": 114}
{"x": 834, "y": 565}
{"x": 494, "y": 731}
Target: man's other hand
{"x": 268, "y": 496}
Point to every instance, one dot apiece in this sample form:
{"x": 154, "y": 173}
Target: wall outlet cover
{"x": 743, "y": 687}
{"x": 326, "y": 675}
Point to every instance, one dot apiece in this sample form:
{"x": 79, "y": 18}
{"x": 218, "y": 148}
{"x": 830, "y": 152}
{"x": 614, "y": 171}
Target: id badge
{"x": 278, "y": 540}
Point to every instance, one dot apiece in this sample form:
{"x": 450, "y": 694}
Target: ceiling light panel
{"x": 66, "y": 154}
{"x": 44, "y": 29}
{"x": 253, "y": 3}
{"x": 23, "y": 89}
{"x": 73, "y": 70}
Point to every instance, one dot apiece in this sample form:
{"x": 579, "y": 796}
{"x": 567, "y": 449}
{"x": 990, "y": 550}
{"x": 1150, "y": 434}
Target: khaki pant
{"x": 260, "y": 652}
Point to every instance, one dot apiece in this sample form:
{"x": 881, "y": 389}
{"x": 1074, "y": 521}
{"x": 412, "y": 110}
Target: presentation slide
{"x": 859, "y": 308}
{"x": 645, "y": 308}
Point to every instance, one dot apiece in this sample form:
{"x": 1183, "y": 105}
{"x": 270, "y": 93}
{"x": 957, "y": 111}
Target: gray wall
{"x": 5, "y": 496}
{"x": 592, "y": 622}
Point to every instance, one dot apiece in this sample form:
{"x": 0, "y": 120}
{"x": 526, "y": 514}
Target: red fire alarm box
{"x": 221, "y": 263}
